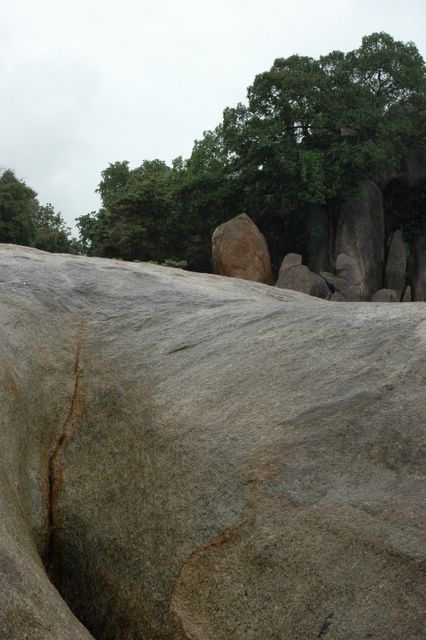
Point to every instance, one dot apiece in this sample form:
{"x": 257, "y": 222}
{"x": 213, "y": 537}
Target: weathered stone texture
{"x": 296, "y": 276}
{"x": 204, "y": 457}
{"x": 360, "y": 235}
{"x": 385, "y": 295}
{"x": 407, "y": 297}
{"x": 417, "y": 270}
{"x": 347, "y": 281}
{"x": 239, "y": 250}
{"x": 396, "y": 264}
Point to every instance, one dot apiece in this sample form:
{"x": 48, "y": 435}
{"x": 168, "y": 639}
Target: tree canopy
{"x": 23, "y": 220}
{"x": 321, "y": 124}
{"x": 311, "y": 128}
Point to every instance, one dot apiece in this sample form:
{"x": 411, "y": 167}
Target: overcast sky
{"x": 88, "y": 82}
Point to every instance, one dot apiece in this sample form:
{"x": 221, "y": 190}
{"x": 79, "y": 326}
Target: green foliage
{"x": 321, "y": 124}
{"x": 23, "y": 220}
{"x": 137, "y": 216}
{"x": 177, "y": 264}
{"x": 309, "y": 131}
{"x": 51, "y": 232}
{"x": 18, "y": 206}
{"x": 206, "y": 193}
{"x": 160, "y": 213}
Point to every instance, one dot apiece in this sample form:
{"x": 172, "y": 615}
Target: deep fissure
{"x": 63, "y": 436}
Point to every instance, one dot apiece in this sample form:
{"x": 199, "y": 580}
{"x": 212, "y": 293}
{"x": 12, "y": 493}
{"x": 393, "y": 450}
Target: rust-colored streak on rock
{"x": 62, "y": 435}
{"x": 265, "y": 467}
{"x": 9, "y": 382}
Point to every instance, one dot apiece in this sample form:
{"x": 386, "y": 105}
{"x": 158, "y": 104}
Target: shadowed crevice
{"x": 63, "y": 436}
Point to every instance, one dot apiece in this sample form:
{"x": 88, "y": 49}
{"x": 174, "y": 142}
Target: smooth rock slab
{"x": 203, "y": 457}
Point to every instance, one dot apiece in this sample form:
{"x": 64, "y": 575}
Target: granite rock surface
{"x": 239, "y": 250}
{"x": 186, "y": 456}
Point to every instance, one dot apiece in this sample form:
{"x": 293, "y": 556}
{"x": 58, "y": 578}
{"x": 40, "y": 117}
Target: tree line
{"x": 23, "y": 220}
{"x": 310, "y": 130}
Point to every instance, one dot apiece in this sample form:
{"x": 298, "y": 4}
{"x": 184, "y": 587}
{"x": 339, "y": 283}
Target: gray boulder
{"x": 385, "y": 295}
{"x": 396, "y": 264}
{"x": 360, "y": 235}
{"x": 296, "y": 276}
{"x": 417, "y": 269}
{"x": 188, "y": 456}
{"x": 407, "y": 297}
{"x": 239, "y": 250}
{"x": 347, "y": 281}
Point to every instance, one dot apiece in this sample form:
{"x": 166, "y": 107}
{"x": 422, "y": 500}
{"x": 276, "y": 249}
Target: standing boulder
{"x": 348, "y": 280}
{"x": 385, "y": 295}
{"x": 296, "y": 276}
{"x": 396, "y": 264}
{"x": 239, "y": 250}
{"x": 417, "y": 269}
{"x": 360, "y": 235}
{"x": 407, "y": 297}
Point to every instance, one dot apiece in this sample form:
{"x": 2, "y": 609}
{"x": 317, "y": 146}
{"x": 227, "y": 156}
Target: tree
{"x": 51, "y": 232}
{"x": 136, "y": 218}
{"x": 318, "y": 125}
{"x": 206, "y": 194}
{"x": 313, "y": 128}
{"x": 18, "y": 206}
{"x": 23, "y": 220}
{"x": 309, "y": 131}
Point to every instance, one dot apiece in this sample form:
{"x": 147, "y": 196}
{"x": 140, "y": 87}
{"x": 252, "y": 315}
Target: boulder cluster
{"x": 368, "y": 266}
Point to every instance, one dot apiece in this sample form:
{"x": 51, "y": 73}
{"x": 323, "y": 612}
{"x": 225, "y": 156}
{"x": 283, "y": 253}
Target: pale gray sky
{"x": 88, "y": 82}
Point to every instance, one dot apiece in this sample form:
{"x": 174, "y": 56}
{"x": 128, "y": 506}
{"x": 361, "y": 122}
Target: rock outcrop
{"x": 348, "y": 280}
{"x": 407, "y": 297}
{"x": 385, "y": 295}
{"x": 396, "y": 264}
{"x": 417, "y": 269}
{"x": 239, "y": 250}
{"x": 186, "y": 456}
{"x": 360, "y": 236}
{"x": 296, "y": 276}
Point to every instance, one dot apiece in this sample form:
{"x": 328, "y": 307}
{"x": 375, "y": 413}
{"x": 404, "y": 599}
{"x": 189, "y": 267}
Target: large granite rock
{"x": 407, "y": 297}
{"x": 188, "y": 456}
{"x": 417, "y": 269}
{"x": 360, "y": 235}
{"x": 296, "y": 276}
{"x": 385, "y": 295}
{"x": 396, "y": 264}
{"x": 348, "y": 280}
{"x": 239, "y": 250}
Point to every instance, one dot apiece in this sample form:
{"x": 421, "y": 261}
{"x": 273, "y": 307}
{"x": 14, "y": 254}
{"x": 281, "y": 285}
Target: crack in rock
{"x": 63, "y": 434}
